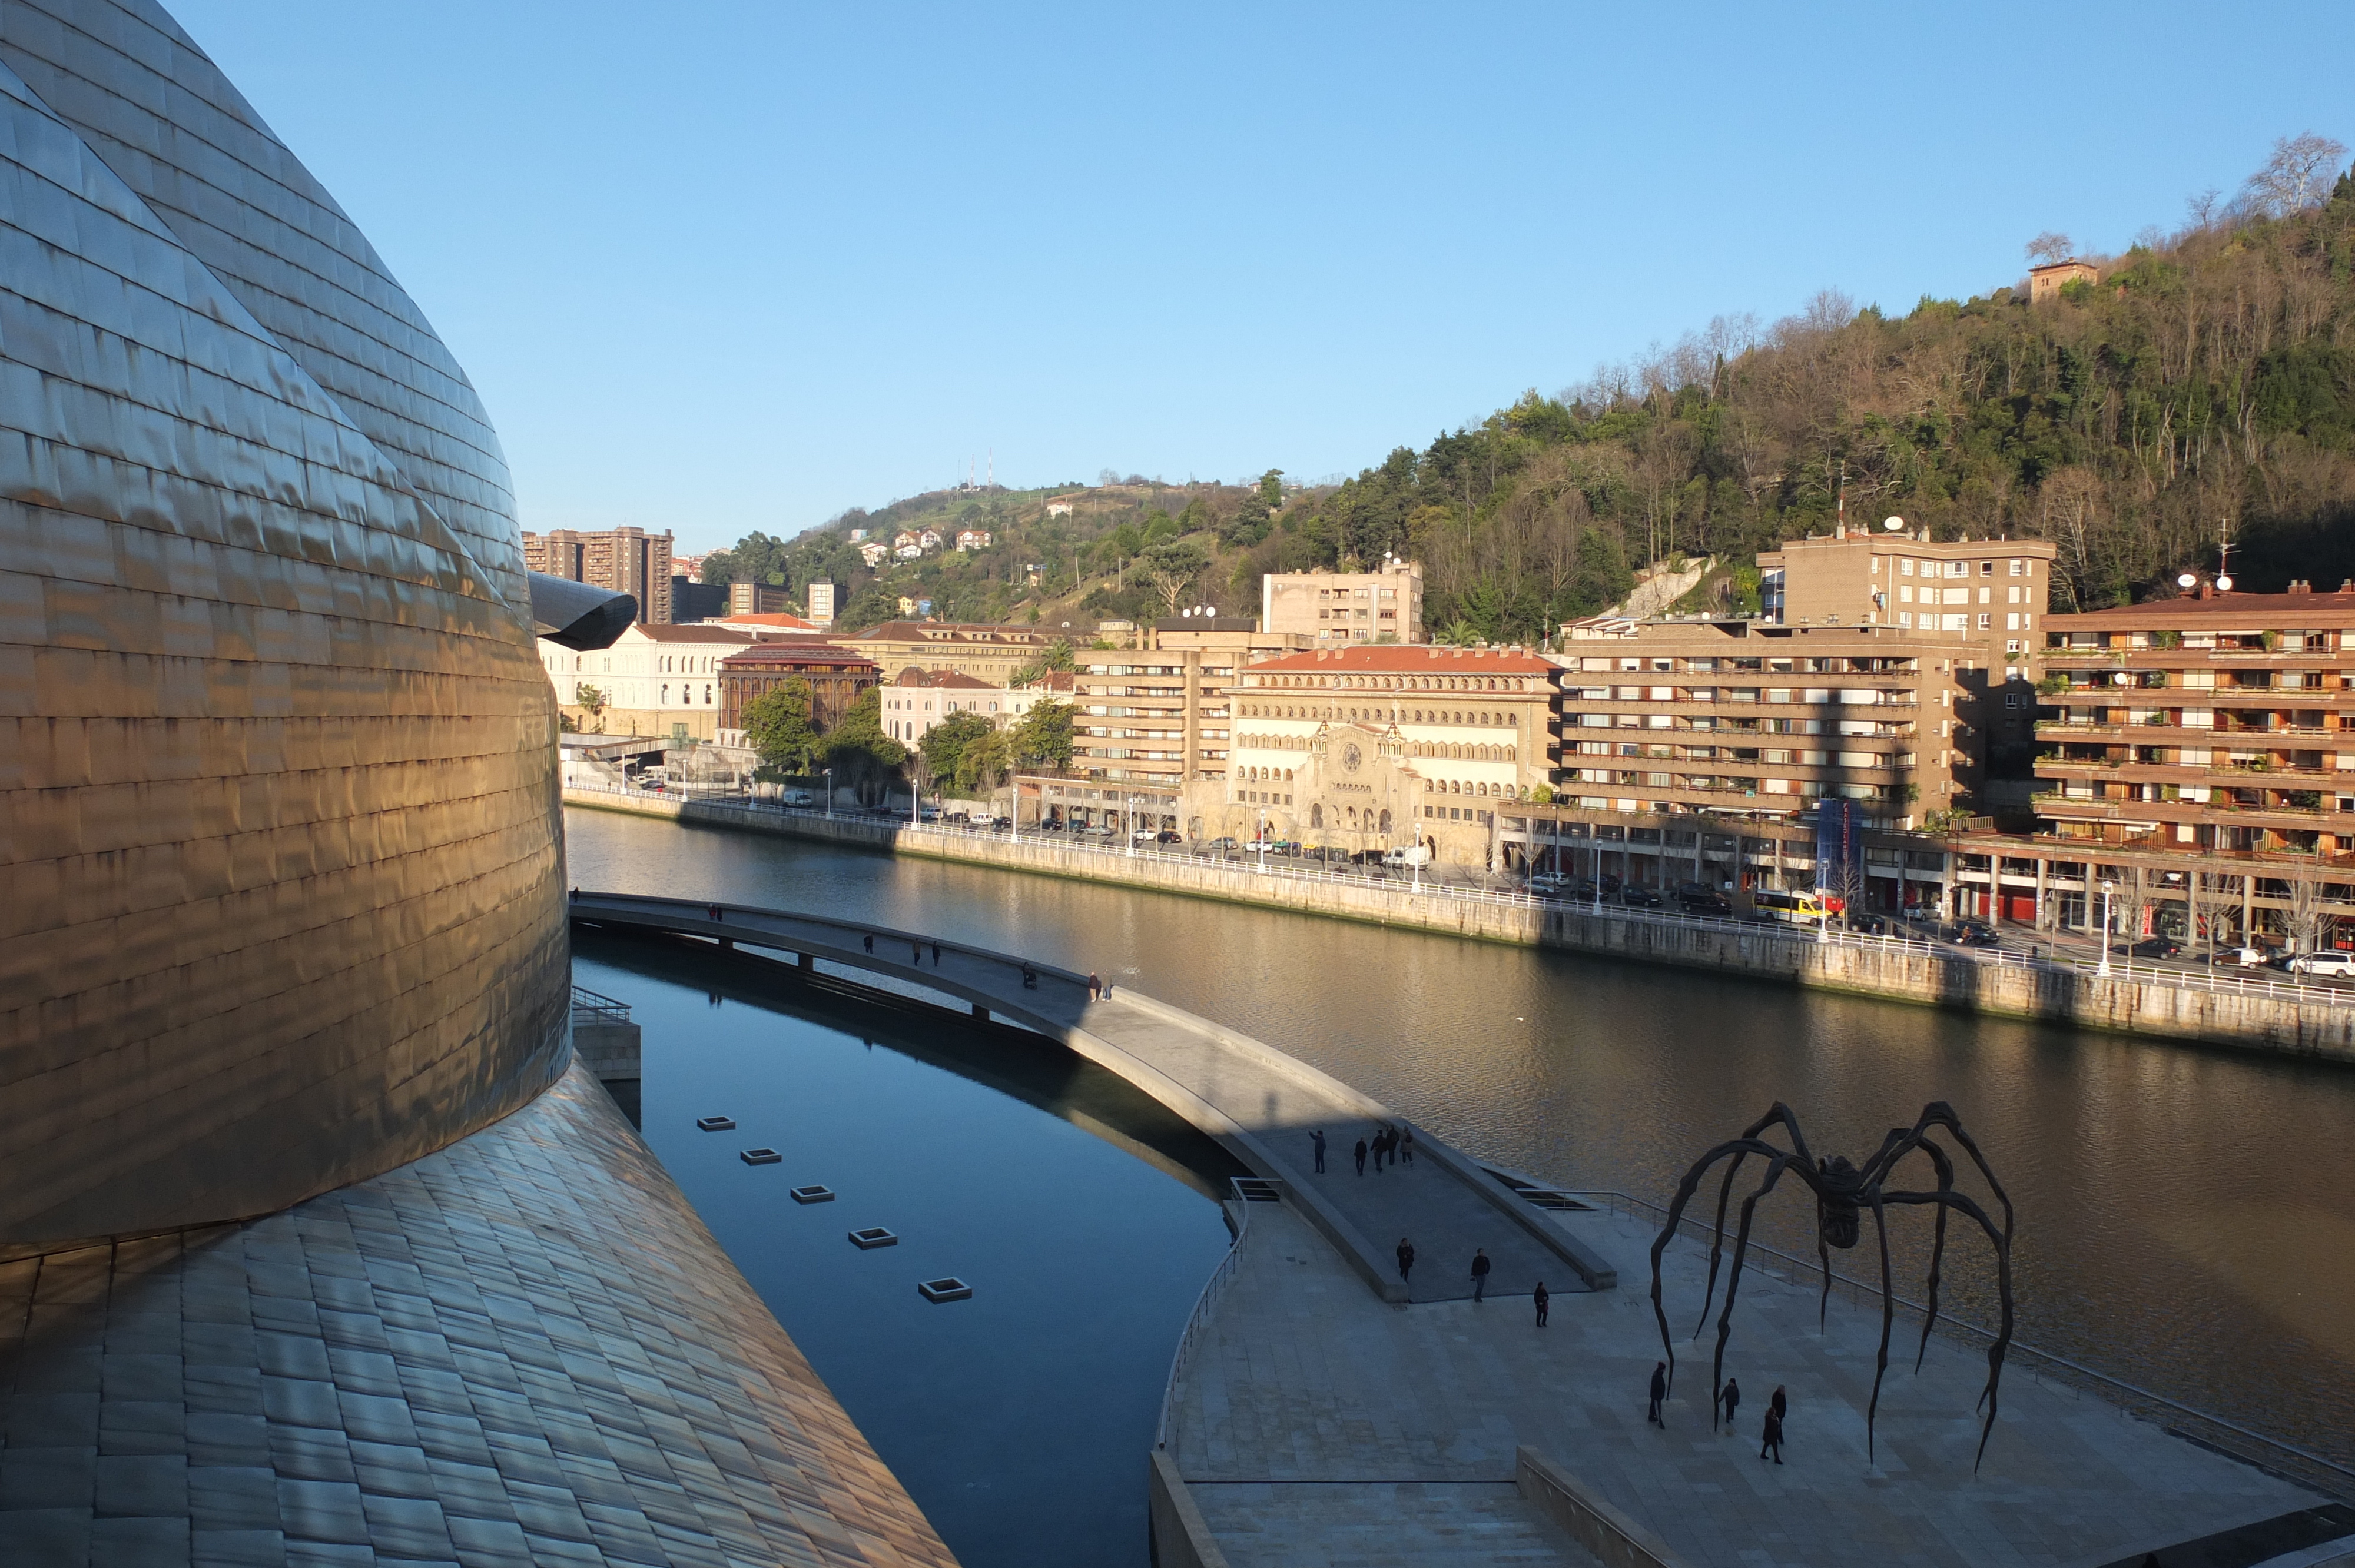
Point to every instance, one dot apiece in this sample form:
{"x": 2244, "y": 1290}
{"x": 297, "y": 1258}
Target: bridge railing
{"x": 1212, "y": 1290}
{"x": 2267, "y": 1453}
{"x": 1406, "y": 892}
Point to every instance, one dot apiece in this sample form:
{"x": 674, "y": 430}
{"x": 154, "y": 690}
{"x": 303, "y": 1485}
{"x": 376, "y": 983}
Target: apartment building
{"x": 1740, "y": 718}
{"x": 1382, "y": 606}
{"x": 654, "y": 681}
{"x": 1153, "y": 721}
{"x": 623, "y": 560}
{"x": 1988, "y": 595}
{"x": 746, "y": 597}
{"x": 992, "y": 653}
{"x": 2223, "y": 722}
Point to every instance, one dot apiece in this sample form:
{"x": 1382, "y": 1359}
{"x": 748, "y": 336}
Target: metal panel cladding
{"x": 280, "y": 879}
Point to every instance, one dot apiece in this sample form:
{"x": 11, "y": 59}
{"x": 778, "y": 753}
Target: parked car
{"x": 1395, "y": 857}
{"x": 1222, "y": 845}
{"x": 800, "y": 798}
{"x": 1639, "y": 898}
{"x": 2337, "y": 965}
{"x": 2156, "y": 947}
{"x": 1704, "y": 902}
{"x": 1972, "y": 933}
{"x": 1051, "y": 826}
{"x": 1546, "y": 885}
{"x": 1170, "y": 836}
{"x": 1923, "y": 914}
{"x": 2240, "y": 958}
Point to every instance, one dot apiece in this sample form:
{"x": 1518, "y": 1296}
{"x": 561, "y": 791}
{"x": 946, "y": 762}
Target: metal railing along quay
{"x": 1407, "y": 892}
{"x": 1212, "y": 1290}
{"x": 2282, "y": 1458}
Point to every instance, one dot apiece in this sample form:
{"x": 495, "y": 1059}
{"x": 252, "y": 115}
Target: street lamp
{"x": 829, "y": 793}
{"x": 2109, "y": 888}
{"x": 1259, "y": 842}
{"x": 1130, "y": 801}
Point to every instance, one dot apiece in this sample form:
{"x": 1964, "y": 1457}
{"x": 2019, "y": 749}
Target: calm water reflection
{"x": 1021, "y": 1419}
{"x": 2186, "y": 1219}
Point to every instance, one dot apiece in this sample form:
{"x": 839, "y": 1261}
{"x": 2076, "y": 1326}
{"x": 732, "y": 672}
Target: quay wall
{"x": 2140, "y": 1003}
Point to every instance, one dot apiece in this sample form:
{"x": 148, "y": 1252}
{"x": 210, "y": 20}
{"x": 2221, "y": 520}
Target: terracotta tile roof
{"x": 916, "y": 675}
{"x": 950, "y": 631}
{"x": 777, "y": 622}
{"x": 794, "y": 653}
{"x": 1394, "y": 659}
{"x": 2283, "y": 608}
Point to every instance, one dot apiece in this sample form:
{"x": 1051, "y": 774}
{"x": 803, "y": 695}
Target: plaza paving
{"x": 1306, "y": 1402}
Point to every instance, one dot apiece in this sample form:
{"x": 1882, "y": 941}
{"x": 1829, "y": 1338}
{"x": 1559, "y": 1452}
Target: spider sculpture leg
{"x": 1887, "y": 1322}
{"x": 1775, "y": 1169}
{"x": 1900, "y": 1143}
{"x": 1779, "y": 1113}
{"x": 1685, "y": 1191}
{"x": 1964, "y": 1204}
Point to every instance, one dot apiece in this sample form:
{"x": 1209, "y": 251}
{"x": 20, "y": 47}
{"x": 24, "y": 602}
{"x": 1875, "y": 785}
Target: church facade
{"x": 1373, "y": 749}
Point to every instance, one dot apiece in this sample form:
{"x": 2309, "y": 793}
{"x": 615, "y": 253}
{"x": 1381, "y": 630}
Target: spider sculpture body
{"x": 1843, "y": 1191}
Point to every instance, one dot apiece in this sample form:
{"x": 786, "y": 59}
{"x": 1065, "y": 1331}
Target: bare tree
{"x": 2204, "y": 207}
{"x": 2305, "y": 913}
{"x": 2049, "y": 247}
{"x": 2215, "y": 899}
{"x": 2298, "y": 176}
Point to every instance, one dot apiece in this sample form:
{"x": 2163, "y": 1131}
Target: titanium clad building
{"x": 281, "y": 886}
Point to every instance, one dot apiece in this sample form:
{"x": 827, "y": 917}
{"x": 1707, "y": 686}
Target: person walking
{"x": 1406, "y": 1144}
{"x": 1381, "y": 1147}
{"x": 1361, "y": 1156}
{"x": 1479, "y": 1274}
{"x": 1544, "y": 1296}
{"x": 916, "y": 953}
{"x": 1095, "y": 987}
{"x": 1406, "y": 1259}
{"x": 1774, "y": 1436}
{"x": 1780, "y": 1405}
{"x": 936, "y": 955}
{"x": 1316, "y": 1140}
{"x": 1659, "y": 1393}
{"x": 1029, "y": 977}
{"x": 1731, "y": 1399}
{"x": 870, "y": 941}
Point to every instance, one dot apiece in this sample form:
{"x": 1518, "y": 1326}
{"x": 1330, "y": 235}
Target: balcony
{"x": 2080, "y": 729}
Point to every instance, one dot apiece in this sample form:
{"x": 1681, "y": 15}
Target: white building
{"x": 873, "y": 552}
{"x": 973, "y": 539}
{"x": 920, "y": 699}
{"x": 653, "y": 679}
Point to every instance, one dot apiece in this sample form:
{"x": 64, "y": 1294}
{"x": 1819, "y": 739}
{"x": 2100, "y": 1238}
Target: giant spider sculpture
{"x": 1842, "y": 1191}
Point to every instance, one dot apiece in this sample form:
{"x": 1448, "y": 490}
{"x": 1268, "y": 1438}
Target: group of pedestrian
{"x": 1729, "y": 1399}
{"x": 1394, "y": 1144}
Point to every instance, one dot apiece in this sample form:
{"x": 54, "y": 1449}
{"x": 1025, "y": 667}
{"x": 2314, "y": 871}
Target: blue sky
{"x": 725, "y": 266}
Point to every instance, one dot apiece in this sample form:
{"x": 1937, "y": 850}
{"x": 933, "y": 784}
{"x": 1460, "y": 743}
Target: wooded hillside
{"x": 2204, "y": 380}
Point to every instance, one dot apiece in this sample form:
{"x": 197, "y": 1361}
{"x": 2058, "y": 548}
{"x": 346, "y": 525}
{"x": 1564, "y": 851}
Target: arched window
{"x": 1386, "y": 820}
{"x": 1287, "y": 776}
{"x": 1315, "y": 816}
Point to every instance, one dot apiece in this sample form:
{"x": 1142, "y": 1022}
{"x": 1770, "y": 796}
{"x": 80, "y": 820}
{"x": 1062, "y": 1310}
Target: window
{"x": 1905, "y": 618}
{"x": 2019, "y": 568}
{"x": 1987, "y": 569}
{"x": 1986, "y": 623}
{"x": 1906, "y": 566}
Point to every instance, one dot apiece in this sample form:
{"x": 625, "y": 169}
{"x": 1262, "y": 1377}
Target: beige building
{"x": 624, "y": 560}
{"x": 2046, "y": 283}
{"x": 918, "y": 699}
{"x": 992, "y": 653}
{"x": 746, "y": 597}
{"x": 655, "y": 680}
{"x": 2219, "y": 723}
{"x": 1989, "y": 594}
{"x": 1738, "y": 718}
{"x": 821, "y": 601}
{"x": 1375, "y": 749}
{"x": 1383, "y": 606}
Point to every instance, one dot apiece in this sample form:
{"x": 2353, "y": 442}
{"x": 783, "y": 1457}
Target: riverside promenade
{"x": 2264, "y": 1014}
{"x": 1313, "y": 1427}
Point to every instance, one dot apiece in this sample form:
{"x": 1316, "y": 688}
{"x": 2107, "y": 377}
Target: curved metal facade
{"x": 280, "y": 879}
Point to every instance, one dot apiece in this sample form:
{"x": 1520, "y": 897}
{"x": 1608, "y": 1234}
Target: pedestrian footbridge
{"x": 1258, "y": 1102}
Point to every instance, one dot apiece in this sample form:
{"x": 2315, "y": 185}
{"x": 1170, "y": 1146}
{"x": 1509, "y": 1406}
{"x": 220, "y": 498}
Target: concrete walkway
{"x": 1258, "y": 1102}
{"x": 1303, "y": 1399}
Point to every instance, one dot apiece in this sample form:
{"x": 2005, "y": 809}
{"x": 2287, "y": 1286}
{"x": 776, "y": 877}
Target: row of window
{"x": 1906, "y": 568}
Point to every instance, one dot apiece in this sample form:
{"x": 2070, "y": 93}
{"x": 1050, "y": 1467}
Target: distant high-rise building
{"x": 624, "y": 560}
{"x": 822, "y": 602}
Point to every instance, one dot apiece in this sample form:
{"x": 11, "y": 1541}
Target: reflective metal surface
{"x": 525, "y": 1349}
{"x": 279, "y": 888}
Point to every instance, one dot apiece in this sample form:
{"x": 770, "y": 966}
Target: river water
{"x": 2186, "y": 1215}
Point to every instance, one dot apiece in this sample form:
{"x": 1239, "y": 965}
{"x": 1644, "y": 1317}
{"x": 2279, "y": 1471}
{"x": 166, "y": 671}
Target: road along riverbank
{"x": 2271, "y": 1016}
